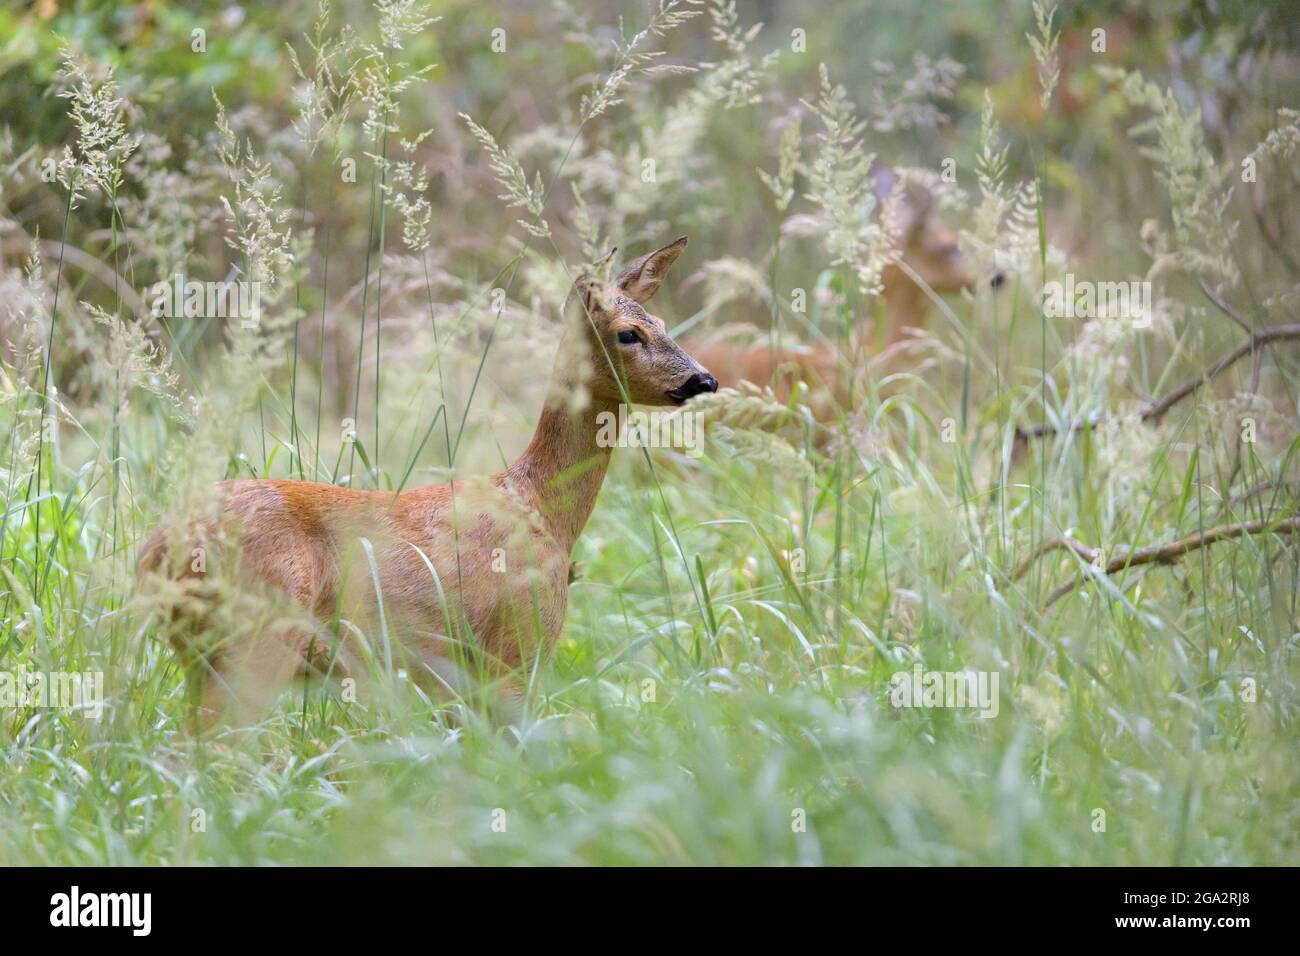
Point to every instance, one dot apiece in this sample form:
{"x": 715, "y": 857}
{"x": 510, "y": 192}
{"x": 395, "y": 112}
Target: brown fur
{"x": 302, "y": 539}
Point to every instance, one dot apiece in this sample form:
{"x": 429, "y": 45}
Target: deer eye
{"x": 627, "y": 337}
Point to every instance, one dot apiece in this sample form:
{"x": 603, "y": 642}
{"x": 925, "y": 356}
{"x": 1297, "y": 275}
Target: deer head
{"x": 629, "y": 345}
{"x": 929, "y": 244}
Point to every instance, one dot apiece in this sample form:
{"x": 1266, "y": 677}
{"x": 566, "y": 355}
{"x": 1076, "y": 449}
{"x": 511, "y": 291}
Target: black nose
{"x": 697, "y": 384}
{"x": 997, "y": 280}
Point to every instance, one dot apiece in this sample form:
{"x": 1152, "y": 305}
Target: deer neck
{"x": 564, "y": 466}
{"x": 906, "y": 305}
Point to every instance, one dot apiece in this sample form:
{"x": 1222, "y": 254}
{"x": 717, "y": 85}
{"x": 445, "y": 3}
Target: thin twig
{"x": 1257, "y": 360}
{"x": 1157, "y": 409}
{"x": 1223, "y": 305}
{"x": 1168, "y": 553}
{"x": 1272, "y": 333}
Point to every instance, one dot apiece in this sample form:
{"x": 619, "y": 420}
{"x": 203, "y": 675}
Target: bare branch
{"x": 1157, "y": 409}
{"x": 1055, "y": 544}
{"x": 51, "y": 250}
{"x": 1272, "y": 333}
{"x": 1169, "y": 553}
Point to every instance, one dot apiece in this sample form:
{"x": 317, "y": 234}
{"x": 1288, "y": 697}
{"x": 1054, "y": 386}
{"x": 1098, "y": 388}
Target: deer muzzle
{"x": 697, "y": 384}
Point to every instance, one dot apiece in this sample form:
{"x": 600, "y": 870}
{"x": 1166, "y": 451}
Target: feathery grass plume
{"x": 673, "y": 142}
{"x": 763, "y": 449}
{"x": 373, "y": 76}
{"x": 255, "y": 217}
{"x": 1044, "y": 47}
{"x": 380, "y": 80}
{"x": 587, "y": 226}
{"x": 910, "y": 102}
{"x": 1199, "y": 191}
{"x": 750, "y": 407}
{"x": 511, "y": 177}
{"x": 1099, "y": 359}
{"x": 669, "y": 134}
{"x": 24, "y": 294}
{"x": 608, "y": 166}
{"x": 1004, "y": 226}
{"x": 1282, "y": 141}
{"x": 253, "y": 348}
{"x": 399, "y": 19}
{"x": 406, "y": 194}
{"x": 324, "y": 96}
{"x": 991, "y": 161}
{"x": 103, "y": 144}
{"x": 382, "y": 76}
{"x": 131, "y": 361}
{"x": 840, "y": 186}
{"x": 735, "y": 80}
{"x": 672, "y": 135}
{"x": 630, "y": 60}
{"x": 782, "y": 184}
{"x": 24, "y": 297}
{"x": 164, "y": 208}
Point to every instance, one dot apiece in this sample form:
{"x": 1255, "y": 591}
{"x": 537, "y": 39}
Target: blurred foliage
{"x": 1125, "y": 695}
{"x": 1209, "y": 52}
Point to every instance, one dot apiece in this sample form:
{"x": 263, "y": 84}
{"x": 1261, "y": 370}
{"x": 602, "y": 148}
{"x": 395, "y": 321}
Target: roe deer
{"x": 929, "y": 248}
{"x": 490, "y": 553}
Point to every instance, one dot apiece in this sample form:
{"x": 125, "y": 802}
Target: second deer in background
{"x": 929, "y": 248}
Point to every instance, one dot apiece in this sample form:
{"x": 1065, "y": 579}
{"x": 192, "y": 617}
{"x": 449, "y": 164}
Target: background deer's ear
{"x": 883, "y": 181}
{"x": 642, "y": 276}
{"x": 914, "y": 201}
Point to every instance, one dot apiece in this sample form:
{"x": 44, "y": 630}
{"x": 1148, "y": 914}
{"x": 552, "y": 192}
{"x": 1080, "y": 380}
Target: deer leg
{"x": 239, "y": 684}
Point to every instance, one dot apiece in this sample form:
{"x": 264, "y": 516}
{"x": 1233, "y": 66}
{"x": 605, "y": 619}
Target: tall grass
{"x": 721, "y": 691}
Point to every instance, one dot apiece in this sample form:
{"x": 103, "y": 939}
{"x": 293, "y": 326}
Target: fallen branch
{"x": 51, "y": 250}
{"x": 1272, "y": 333}
{"x": 1055, "y": 544}
{"x": 1157, "y": 409}
{"x": 1169, "y": 553}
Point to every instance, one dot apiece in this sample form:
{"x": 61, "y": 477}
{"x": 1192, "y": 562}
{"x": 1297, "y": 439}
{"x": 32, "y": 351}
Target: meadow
{"x": 1095, "y": 512}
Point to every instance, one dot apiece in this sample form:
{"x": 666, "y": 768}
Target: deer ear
{"x": 915, "y": 201}
{"x": 640, "y": 280}
{"x": 586, "y": 287}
